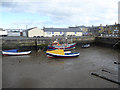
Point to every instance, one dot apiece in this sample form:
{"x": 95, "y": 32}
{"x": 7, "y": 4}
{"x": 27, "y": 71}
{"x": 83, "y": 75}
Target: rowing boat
{"x": 14, "y": 52}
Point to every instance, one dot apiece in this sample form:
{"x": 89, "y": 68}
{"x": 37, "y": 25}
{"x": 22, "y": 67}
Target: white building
{"x": 34, "y": 32}
{"x": 3, "y": 32}
{"x": 51, "y": 32}
{"x": 16, "y": 32}
{"x": 71, "y": 31}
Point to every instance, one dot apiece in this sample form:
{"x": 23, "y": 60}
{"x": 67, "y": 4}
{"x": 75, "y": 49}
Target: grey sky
{"x": 66, "y": 12}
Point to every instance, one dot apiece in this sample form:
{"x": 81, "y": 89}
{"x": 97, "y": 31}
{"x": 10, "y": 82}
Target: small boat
{"x": 14, "y": 52}
{"x": 63, "y": 46}
{"x": 61, "y": 53}
{"x": 85, "y": 45}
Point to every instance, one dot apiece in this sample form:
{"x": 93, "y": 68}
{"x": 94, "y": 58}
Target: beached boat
{"x": 61, "y": 53}
{"x": 14, "y": 52}
{"x": 63, "y": 46}
{"x": 85, "y": 45}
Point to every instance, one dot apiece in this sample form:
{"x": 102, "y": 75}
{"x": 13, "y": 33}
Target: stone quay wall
{"x": 15, "y": 42}
{"x": 108, "y": 40}
{"x": 36, "y": 43}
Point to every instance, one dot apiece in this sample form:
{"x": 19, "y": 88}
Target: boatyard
{"x": 38, "y": 71}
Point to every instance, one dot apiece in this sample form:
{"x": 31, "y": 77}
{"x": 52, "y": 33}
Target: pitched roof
{"x": 62, "y": 29}
{"x": 1, "y": 29}
{"x": 31, "y": 28}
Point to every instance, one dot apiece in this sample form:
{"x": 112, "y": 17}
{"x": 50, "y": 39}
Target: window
{"x": 75, "y": 32}
{"x": 52, "y": 32}
{"x": 48, "y": 33}
{"x": 60, "y": 32}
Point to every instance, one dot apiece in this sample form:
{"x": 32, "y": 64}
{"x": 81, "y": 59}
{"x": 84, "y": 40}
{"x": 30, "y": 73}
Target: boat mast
{"x": 65, "y": 36}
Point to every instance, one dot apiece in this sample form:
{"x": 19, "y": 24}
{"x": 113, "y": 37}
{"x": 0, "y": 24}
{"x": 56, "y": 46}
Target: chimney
{"x": 101, "y": 25}
{"x": 115, "y": 23}
{"x": 26, "y": 27}
{"x": 92, "y": 25}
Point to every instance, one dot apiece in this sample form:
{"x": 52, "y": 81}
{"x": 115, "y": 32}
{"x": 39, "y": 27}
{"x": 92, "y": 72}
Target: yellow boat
{"x": 61, "y": 53}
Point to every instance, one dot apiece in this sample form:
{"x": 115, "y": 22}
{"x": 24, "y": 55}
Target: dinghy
{"x": 85, "y": 45}
{"x": 14, "y": 52}
{"x": 61, "y": 53}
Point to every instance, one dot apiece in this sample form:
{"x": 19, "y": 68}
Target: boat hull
{"x": 67, "y": 55}
{"x": 15, "y": 53}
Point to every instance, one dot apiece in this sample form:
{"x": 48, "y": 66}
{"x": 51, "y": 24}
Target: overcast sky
{"x": 57, "y": 13}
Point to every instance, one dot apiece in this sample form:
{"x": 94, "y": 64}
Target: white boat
{"x": 85, "y": 45}
{"x": 15, "y": 53}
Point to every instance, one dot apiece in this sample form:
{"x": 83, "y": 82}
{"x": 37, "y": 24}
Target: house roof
{"x": 31, "y": 28}
{"x": 62, "y": 29}
{"x": 1, "y": 29}
{"x": 105, "y": 26}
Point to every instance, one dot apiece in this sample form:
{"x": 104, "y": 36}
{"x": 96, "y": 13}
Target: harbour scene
{"x": 65, "y": 65}
{"x": 53, "y": 55}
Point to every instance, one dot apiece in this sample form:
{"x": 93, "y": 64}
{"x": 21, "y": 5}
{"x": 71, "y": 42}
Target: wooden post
{"x": 66, "y": 40}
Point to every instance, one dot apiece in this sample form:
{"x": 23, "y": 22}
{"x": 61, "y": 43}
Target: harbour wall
{"x": 113, "y": 42}
{"x": 40, "y": 43}
{"x": 24, "y": 43}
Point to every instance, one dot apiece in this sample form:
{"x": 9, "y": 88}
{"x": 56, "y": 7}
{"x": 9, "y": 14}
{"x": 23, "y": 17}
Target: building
{"x": 52, "y": 32}
{"x": 15, "y": 32}
{"x": 112, "y": 30}
{"x": 108, "y": 30}
{"x": 94, "y": 30}
{"x": 84, "y": 30}
{"x": 71, "y": 31}
{"x": 34, "y": 32}
{"x": 3, "y": 32}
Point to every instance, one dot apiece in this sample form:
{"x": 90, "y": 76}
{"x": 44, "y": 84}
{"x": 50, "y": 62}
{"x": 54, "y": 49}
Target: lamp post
{"x": 36, "y": 44}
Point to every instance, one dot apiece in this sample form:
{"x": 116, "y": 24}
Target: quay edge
{"x": 24, "y": 43}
